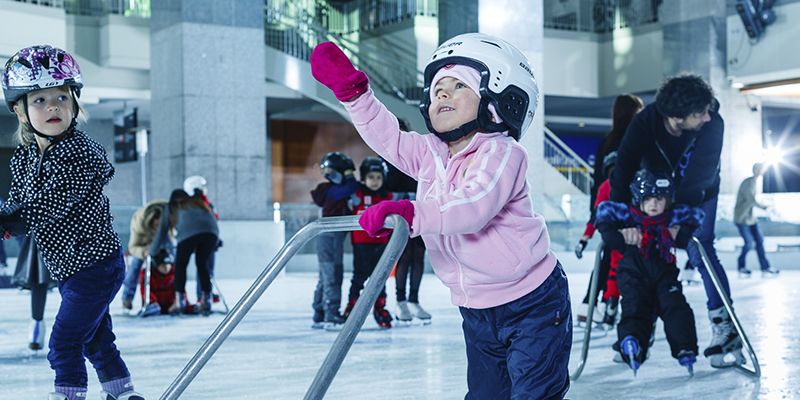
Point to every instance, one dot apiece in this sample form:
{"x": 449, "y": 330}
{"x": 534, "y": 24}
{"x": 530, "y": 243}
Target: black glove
{"x": 579, "y": 249}
{"x": 12, "y": 222}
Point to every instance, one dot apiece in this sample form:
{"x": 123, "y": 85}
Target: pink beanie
{"x": 470, "y": 76}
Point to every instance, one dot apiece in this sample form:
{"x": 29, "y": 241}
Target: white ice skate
{"x": 129, "y": 395}
{"x": 403, "y": 313}
{"x": 57, "y": 396}
{"x": 36, "y": 333}
{"x": 725, "y": 340}
{"x": 744, "y": 273}
{"x": 418, "y": 312}
{"x": 583, "y": 309}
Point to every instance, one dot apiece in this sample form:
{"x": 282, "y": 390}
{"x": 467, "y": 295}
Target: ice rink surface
{"x": 274, "y": 354}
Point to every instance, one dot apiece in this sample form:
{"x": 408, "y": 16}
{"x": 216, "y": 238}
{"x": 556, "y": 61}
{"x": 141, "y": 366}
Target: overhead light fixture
{"x": 782, "y": 88}
{"x": 756, "y": 15}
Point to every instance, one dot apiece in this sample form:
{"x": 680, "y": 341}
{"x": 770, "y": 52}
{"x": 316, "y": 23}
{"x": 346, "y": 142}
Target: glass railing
{"x": 97, "y": 8}
{"x": 599, "y": 16}
{"x": 567, "y": 162}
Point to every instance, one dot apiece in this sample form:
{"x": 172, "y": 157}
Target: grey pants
{"x": 330, "y": 248}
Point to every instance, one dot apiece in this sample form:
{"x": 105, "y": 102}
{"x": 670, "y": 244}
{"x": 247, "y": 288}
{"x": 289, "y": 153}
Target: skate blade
{"x": 745, "y": 275}
{"x": 426, "y": 321}
{"x": 331, "y": 327}
{"x": 718, "y": 360}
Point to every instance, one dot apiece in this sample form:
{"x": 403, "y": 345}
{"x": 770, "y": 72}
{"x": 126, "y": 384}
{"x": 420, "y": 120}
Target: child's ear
{"x": 20, "y": 111}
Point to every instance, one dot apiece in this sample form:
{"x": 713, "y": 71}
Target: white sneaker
{"x": 403, "y": 313}
{"x": 36, "y": 333}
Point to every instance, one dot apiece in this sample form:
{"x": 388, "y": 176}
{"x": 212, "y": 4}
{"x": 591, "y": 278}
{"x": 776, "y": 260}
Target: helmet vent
{"x": 492, "y": 43}
{"x": 44, "y": 61}
{"x": 450, "y": 52}
{"x": 24, "y": 62}
{"x": 60, "y": 57}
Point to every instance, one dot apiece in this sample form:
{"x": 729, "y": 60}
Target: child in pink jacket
{"x": 473, "y": 208}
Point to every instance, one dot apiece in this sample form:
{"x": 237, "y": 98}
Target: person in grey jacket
{"x": 748, "y": 224}
{"x": 197, "y": 233}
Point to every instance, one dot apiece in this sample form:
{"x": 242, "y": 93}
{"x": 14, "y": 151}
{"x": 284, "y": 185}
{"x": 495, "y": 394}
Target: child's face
{"x": 50, "y": 110}
{"x": 653, "y": 206}
{"x": 454, "y": 104}
{"x": 374, "y": 180}
{"x": 164, "y": 269}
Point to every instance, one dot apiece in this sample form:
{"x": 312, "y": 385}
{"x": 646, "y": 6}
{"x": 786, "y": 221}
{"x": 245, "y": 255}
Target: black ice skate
{"x": 350, "y": 304}
{"x": 770, "y": 273}
{"x": 744, "y": 273}
{"x": 725, "y": 340}
{"x": 333, "y": 320}
{"x": 610, "y": 317}
{"x": 381, "y": 314}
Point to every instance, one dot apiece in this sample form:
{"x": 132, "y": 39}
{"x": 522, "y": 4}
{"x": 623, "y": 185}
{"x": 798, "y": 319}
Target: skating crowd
{"x": 657, "y": 187}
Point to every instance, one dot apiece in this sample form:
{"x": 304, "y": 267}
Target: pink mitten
{"x": 372, "y": 218}
{"x": 331, "y": 67}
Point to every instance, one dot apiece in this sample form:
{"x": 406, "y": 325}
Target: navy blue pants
{"x": 520, "y": 350}
{"x": 752, "y": 237}
{"x": 705, "y": 234}
{"x": 83, "y": 326}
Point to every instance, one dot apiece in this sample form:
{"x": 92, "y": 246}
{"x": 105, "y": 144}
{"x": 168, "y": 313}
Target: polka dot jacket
{"x": 63, "y": 201}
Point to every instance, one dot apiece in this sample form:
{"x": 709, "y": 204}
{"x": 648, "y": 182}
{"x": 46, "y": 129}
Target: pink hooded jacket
{"x": 473, "y": 211}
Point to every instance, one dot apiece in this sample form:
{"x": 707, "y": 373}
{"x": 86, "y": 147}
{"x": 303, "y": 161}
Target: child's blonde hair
{"x": 25, "y": 137}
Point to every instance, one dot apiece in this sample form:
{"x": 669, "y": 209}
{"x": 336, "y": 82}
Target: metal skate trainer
{"x": 756, "y": 371}
{"x": 344, "y": 341}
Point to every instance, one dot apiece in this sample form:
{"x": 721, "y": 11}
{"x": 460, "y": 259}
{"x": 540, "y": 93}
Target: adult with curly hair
{"x": 681, "y": 134}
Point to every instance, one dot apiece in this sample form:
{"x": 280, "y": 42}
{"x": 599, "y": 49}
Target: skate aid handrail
{"x": 146, "y": 283}
{"x": 590, "y": 312}
{"x": 346, "y": 337}
{"x": 727, "y": 302}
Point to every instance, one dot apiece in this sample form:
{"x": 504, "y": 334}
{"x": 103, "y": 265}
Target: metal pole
{"x": 590, "y": 313}
{"x": 292, "y": 246}
{"x": 141, "y": 148}
{"x": 727, "y": 303}
{"x": 329, "y": 368}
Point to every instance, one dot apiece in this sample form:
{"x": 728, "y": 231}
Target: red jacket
{"x": 603, "y": 194}
{"x": 367, "y": 198}
{"x": 162, "y": 288}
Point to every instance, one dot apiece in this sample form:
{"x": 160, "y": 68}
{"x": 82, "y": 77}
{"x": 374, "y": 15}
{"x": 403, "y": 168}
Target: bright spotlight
{"x": 773, "y": 155}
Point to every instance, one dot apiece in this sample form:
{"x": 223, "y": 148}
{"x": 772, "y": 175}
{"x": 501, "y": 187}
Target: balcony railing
{"x": 599, "y": 16}
{"x": 567, "y": 162}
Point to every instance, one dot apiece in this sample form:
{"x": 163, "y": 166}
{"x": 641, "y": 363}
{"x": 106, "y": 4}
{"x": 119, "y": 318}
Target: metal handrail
{"x": 756, "y": 372}
{"x": 587, "y": 335}
{"x": 351, "y": 328}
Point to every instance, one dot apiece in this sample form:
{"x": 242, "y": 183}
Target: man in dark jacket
{"x": 681, "y": 133}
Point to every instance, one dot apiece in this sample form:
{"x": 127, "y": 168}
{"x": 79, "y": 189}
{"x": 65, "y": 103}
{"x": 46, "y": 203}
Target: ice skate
{"x": 610, "y": 317}
{"x": 127, "y": 306}
{"x": 744, "y": 273}
{"x": 629, "y": 347}
{"x": 403, "y": 313}
{"x": 725, "y": 340}
{"x": 204, "y": 305}
{"x": 381, "y": 314}
{"x": 770, "y": 273}
{"x": 179, "y": 306}
{"x": 687, "y": 359}
{"x": 350, "y": 304}
{"x": 418, "y": 312}
{"x": 318, "y": 318}
{"x": 129, "y": 395}
{"x": 333, "y": 320}
{"x": 583, "y": 309}
{"x": 36, "y": 333}
{"x": 57, "y": 396}
{"x": 152, "y": 309}
{"x": 688, "y": 276}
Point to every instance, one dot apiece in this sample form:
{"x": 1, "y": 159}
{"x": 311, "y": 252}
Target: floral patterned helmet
{"x": 39, "y": 67}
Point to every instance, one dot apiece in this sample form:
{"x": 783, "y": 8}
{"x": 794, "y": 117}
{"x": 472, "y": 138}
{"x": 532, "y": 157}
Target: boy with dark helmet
{"x": 367, "y": 250}
{"x": 647, "y": 233}
{"x": 332, "y": 196}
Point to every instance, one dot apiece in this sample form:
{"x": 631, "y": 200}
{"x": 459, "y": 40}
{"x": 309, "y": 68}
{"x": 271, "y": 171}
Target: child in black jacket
{"x": 647, "y": 233}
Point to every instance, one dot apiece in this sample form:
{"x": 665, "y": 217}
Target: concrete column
{"x": 208, "y": 102}
{"x": 695, "y": 41}
{"x": 521, "y": 23}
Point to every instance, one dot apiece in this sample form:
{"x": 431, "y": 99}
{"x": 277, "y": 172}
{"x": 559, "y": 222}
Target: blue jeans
{"x": 83, "y": 326}
{"x": 752, "y": 235}
{"x": 520, "y": 350}
{"x": 131, "y": 279}
{"x": 705, "y": 234}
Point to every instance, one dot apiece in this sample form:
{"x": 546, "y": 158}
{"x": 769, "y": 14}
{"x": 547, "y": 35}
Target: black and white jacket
{"x": 62, "y": 199}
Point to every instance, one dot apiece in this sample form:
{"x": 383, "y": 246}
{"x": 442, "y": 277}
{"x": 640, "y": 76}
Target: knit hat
{"x": 470, "y": 76}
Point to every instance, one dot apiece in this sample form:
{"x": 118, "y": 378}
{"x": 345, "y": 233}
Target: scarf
{"x": 655, "y": 233}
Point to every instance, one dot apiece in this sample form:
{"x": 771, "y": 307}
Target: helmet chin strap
{"x": 483, "y": 122}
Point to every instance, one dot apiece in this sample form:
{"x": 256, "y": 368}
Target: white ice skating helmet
{"x": 507, "y": 81}
{"x": 192, "y": 183}
{"x": 39, "y": 67}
